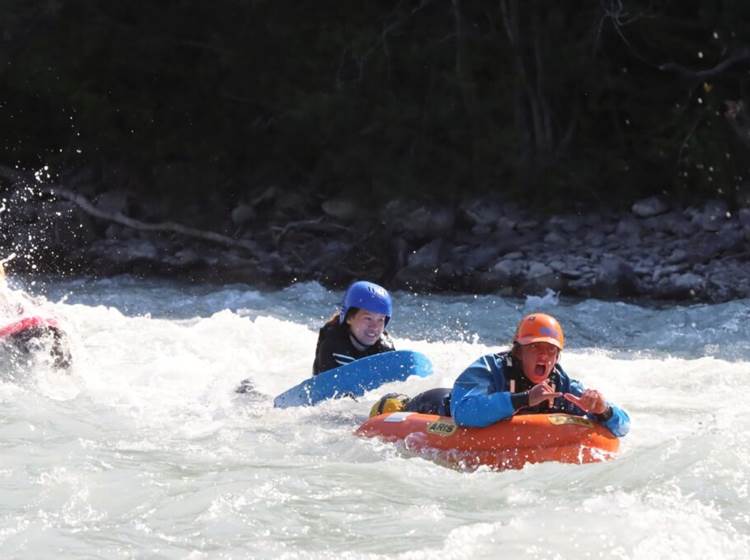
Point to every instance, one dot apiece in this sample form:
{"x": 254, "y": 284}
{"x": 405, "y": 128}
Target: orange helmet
{"x": 539, "y": 327}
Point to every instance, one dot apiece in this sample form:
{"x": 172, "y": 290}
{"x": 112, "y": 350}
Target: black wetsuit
{"x": 434, "y": 401}
{"x": 335, "y": 347}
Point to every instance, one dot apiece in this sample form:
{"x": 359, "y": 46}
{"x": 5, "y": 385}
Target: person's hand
{"x": 542, "y": 392}
{"x": 590, "y": 401}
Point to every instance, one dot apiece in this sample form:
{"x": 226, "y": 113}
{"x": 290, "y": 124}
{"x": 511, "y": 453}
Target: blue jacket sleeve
{"x": 475, "y": 402}
{"x": 618, "y": 423}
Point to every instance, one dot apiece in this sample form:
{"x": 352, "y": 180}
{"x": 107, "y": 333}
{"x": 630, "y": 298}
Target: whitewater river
{"x": 145, "y": 451}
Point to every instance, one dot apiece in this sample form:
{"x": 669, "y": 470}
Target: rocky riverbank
{"x": 480, "y": 245}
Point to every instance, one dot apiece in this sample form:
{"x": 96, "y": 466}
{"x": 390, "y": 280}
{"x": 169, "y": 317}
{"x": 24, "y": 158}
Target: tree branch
{"x": 84, "y": 204}
{"x": 739, "y": 56}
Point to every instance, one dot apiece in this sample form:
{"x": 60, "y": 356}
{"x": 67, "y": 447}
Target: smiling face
{"x": 538, "y": 359}
{"x": 366, "y": 326}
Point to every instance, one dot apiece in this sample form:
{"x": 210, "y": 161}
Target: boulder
{"x": 508, "y": 270}
{"x": 430, "y": 222}
{"x": 480, "y": 211}
{"x": 569, "y": 223}
{"x": 628, "y": 228}
{"x": 615, "y": 278}
{"x": 682, "y": 285}
{"x": 480, "y": 258}
{"x": 427, "y": 256}
{"x": 243, "y": 214}
{"x": 344, "y": 209}
{"x": 713, "y": 216}
{"x": 651, "y": 206}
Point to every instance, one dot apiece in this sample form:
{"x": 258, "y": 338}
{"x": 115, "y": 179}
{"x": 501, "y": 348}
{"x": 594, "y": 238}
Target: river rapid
{"x": 144, "y": 450}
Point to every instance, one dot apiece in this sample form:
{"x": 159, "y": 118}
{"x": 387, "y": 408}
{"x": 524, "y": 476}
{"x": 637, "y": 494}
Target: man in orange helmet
{"x": 528, "y": 380}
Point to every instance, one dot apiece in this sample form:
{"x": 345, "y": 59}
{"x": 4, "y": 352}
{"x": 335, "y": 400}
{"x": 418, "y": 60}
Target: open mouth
{"x": 540, "y": 369}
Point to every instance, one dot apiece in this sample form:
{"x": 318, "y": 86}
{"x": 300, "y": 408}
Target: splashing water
{"x": 144, "y": 450}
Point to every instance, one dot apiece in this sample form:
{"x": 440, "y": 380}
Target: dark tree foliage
{"x": 553, "y": 104}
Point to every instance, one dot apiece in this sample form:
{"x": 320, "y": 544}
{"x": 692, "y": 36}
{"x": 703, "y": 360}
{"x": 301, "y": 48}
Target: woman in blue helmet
{"x": 358, "y": 330}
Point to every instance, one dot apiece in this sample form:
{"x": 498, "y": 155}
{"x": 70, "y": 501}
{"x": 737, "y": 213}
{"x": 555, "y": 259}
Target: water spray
{"x": 7, "y": 259}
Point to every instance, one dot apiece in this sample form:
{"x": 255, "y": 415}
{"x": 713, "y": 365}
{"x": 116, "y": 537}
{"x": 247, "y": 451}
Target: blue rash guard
{"x": 482, "y": 395}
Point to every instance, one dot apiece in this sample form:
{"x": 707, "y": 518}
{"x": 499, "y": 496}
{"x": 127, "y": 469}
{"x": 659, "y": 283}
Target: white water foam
{"x": 145, "y": 451}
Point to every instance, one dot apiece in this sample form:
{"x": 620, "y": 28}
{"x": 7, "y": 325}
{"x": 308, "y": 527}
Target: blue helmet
{"x": 369, "y": 296}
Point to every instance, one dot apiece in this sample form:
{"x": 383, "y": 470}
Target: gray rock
{"x": 428, "y": 222}
{"x": 651, "y": 206}
{"x": 573, "y": 267}
{"x": 505, "y": 224}
{"x": 567, "y": 224}
{"x": 527, "y": 225}
{"x": 615, "y": 278}
{"x": 713, "y": 216}
{"x": 343, "y": 209}
{"x": 594, "y": 238}
{"x": 511, "y": 269}
{"x": 677, "y": 256}
{"x": 554, "y": 238}
{"x": 427, "y": 256}
{"x": 709, "y": 246}
{"x": 140, "y": 249}
{"x": 415, "y": 278}
{"x": 481, "y": 230}
{"x": 123, "y": 252}
{"x": 479, "y": 211}
{"x": 572, "y": 273}
{"x": 628, "y": 227}
{"x": 490, "y": 281}
{"x": 540, "y": 277}
{"x": 508, "y": 241}
{"x": 423, "y": 267}
{"x": 557, "y": 265}
{"x": 184, "y": 258}
{"x": 480, "y": 257}
{"x": 675, "y": 223}
{"x": 538, "y": 270}
{"x": 457, "y": 254}
{"x": 687, "y": 282}
{"x": 660, "y": 272}
{"x": 326, "y": 254}
{"x": 243, "y": 214}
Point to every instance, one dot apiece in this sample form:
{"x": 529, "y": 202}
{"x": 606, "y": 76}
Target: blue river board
{"x": 356, "y": 378}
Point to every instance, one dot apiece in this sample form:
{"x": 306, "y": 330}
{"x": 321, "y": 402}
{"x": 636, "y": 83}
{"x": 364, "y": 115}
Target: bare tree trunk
{"x": 534, "y": 115}
{"x": 466, "y": 82}
{"x": 524, "y": 106}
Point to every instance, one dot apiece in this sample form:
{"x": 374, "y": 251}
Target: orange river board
{"x": 509, "y": 444}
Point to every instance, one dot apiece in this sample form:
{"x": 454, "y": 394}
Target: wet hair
{"x": 334, "y": 319}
